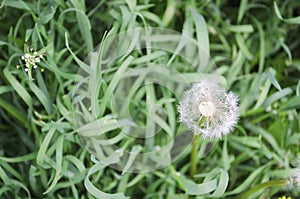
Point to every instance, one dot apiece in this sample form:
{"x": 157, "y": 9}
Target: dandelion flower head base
{"x": 208, "y": 102}
{"x": 207, "y": 109}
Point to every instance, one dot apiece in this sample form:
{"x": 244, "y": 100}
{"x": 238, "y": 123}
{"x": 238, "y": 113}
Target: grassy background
{"x": 255, "y": 45}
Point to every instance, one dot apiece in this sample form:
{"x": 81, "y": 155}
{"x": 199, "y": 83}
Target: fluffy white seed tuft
{"x": 208, "y": 100}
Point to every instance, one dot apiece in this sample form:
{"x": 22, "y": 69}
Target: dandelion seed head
{"x": 208, "y": 99}
{"x": 207, "y": 109}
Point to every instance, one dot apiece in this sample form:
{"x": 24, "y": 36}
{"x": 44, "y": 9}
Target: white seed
{"x": 157, "y": 148}
{"x": 207, "y": 109}
{"x": 119, "y": 152}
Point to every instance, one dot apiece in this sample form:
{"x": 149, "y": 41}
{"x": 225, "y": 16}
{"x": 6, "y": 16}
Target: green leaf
{"x": 292, "y": 103}
{"x": 239, "y": 28}
{"x": 22, "y": 92}
{"x": 242, "y": 10}
{"x": 132, "y": 155}
{"x": 203, "y": 39}
{"x": 270, "y": 73}
{"x": 294, "y": 20}
{"x": 59, "y": 154}
{"x": 192, "y": 188}
{"x": 247, "y": 182}
{"x": 44, "y": 146}
{"x": 276, "y": 96}
{"x": 278, "y": 130}
{"x": 112, "y": 159}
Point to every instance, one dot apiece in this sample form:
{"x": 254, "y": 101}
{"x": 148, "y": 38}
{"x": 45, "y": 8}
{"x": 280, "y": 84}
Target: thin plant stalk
{"x": 194, "y": 153}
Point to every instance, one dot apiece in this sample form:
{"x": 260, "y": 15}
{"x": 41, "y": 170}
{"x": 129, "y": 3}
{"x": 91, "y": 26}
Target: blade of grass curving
{"x": 112, "y": 85}
{"x": 242, "y": 10}
{"x": 294, "y": 20}
{"x": 276, "y": 96}
{"x": 246, "y": 28}
{"x": 113, "y": 158}
{"x": 83, "y": 24}
{"x": 263, "y": 95}
{"x": 4, "y": 176}
{"x": 59, "y": 154}
{"x": 150, "y": 128}
{"x": 243, "y": 187}
{"x": 202, "y": 37}
{"x": 169, "y": 13}
{"x": 222, "y": 184}
{"x": 15, "y": 112}
{"x": 268, "y": 137}
{"x": 21, "y": 185}
{"x": 236, "y": 68}
{"x": 192, "y": 188}
{"x": 131, "y": 4}
{"x": 20, "y": 5}
{"x": 242, "y": 45}
{"x": 133, "y": 153}
{"x": 84, "y": 66}
{"x": 262, "y": 48}
{"x": 292, "y": 103}
{"x": 42, "y": 97}
{"x": 18, "y": 88}
{"x": 44, "y": 146}
{"x": 23, "y": 158}
{"x": 270, "y": 73}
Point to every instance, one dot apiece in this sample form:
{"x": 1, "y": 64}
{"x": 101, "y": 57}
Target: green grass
{"x": 59, "y": 137}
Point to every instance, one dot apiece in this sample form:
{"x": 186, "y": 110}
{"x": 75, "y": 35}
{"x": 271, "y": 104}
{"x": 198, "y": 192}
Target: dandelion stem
{"x": 194, "y": 155}
{"x": 195, "y": 146}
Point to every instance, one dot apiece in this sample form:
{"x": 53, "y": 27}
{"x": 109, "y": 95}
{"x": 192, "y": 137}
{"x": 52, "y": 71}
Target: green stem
{"x": 30, "y": 73}
{"x": 195, "y": 146}
{"x": 272, "y": 183}
{"x": 194, "y": 155}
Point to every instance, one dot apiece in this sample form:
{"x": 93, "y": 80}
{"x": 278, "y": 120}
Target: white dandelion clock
{"x": 208, "y": 110}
